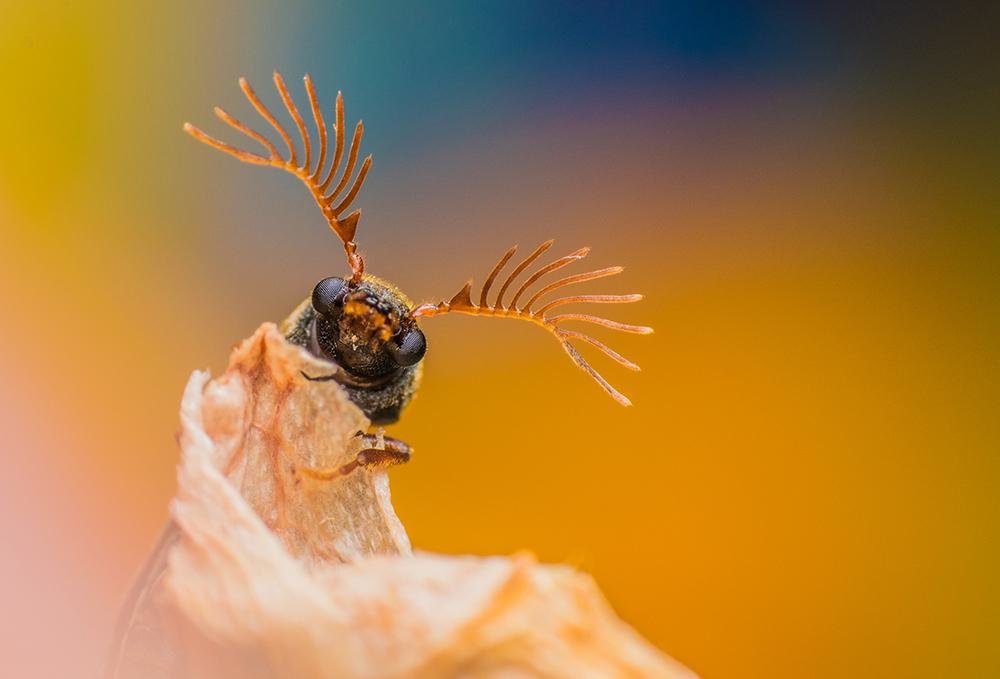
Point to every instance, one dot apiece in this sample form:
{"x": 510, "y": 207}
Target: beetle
{"x": 365, "y": 325}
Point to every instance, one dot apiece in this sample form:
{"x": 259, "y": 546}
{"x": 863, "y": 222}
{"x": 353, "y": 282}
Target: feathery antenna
{"x": 462, "y": 303}
{"x": 344, "y": 227}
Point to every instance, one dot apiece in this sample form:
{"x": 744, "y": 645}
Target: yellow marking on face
{"x": 379, "y": 327}
{"x": 356, "y": 308}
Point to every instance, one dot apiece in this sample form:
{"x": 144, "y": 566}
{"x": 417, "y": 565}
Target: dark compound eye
{"x": 328, "y": 296}
{"x": 408, "y": 348}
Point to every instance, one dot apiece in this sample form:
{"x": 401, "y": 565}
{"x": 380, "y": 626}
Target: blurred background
{"x": 807, "y": 484}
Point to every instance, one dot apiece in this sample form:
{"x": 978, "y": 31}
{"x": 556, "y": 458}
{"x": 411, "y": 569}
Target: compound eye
{"x": 328, "y": 296}
{"x": 408, "y": 348}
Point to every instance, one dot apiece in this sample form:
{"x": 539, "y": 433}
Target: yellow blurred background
{"x": 807, "y": 483}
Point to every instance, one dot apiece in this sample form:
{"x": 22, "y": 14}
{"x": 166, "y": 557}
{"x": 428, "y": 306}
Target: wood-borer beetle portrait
{"x": 366, "y": 326}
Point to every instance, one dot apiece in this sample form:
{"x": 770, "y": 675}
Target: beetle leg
{"x": 371, "y": 458}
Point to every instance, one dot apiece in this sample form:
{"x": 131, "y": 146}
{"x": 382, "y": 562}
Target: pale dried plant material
{"x": 270, "y": 573}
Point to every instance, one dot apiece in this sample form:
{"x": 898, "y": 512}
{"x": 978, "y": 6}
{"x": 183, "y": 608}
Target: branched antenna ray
{"x": 344, "y": 227}
{"x": 462, "y": 303}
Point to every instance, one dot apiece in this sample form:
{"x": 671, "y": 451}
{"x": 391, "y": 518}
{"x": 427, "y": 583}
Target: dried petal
{"x": 270, "y": 574}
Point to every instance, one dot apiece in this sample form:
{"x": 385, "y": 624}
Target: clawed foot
{"x": 371, "y": 458}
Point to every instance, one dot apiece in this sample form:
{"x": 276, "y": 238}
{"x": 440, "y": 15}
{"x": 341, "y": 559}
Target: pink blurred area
{"x": 806, "y": 484}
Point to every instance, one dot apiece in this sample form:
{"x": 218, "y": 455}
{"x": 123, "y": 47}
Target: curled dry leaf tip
{"x": 265, "y": 572}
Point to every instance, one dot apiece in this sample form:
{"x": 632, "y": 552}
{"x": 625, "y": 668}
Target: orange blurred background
{"x": 806, "y": 485}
